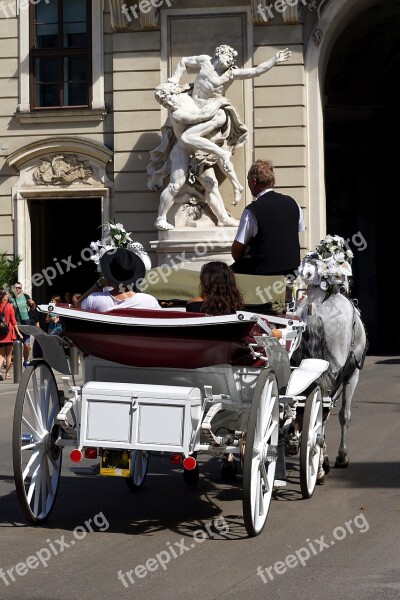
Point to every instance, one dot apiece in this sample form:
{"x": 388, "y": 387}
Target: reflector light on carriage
{"x": 75, "y": 455}
{"x": 189, "y": 463}
{"x": 175, "y": 459}
{"x": 90, "y": 452}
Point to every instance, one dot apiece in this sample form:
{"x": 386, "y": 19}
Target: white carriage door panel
{"x": 161, "y": 424}
{"x": 109, "y": 421}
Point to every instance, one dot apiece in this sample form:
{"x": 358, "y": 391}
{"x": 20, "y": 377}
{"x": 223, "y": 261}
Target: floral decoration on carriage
{"x": 115, "y": 236}
{"x": 328, "y": 266}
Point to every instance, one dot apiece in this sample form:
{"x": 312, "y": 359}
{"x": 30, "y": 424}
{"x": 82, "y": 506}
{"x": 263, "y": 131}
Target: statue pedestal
{"x": 190, "y": 247}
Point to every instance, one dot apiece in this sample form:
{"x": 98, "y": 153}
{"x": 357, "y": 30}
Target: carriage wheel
{"x": 260, "y": 454}
{"x": 36, "y": 458}
{"x": 139, "y": 466}
{"x": 311, "y": 442}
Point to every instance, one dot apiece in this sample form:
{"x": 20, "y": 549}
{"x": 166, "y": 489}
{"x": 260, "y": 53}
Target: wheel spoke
{"x": 31, "y": 428}
{"x": 33, "y": 410}
{"x": 32, "y": 446}
{"x": 52, "y": 414}
{"x": 31, "y": 464}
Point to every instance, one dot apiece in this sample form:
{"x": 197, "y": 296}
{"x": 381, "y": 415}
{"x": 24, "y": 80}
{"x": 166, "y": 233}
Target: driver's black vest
{"x": 276, "y": 245}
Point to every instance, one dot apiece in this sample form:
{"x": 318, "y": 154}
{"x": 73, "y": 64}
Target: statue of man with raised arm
{"x": 210, "y": 132}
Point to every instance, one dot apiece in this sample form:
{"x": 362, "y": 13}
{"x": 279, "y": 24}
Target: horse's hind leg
{"x": 342, "y": 459}
{"x": 323, "y": 467}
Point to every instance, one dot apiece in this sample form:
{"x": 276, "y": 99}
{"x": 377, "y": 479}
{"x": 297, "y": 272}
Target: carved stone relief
{"x": 62, "y": 170}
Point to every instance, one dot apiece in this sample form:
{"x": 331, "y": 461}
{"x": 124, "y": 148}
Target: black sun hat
{"x": 122, "y": 267}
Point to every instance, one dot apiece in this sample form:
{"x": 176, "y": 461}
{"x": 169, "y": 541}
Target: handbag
{"x": 3, "y": 326}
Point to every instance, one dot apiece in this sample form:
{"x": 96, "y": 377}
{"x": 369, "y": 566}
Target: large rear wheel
{"x": 36, "y": 458}
{"x": 260, "y": 452}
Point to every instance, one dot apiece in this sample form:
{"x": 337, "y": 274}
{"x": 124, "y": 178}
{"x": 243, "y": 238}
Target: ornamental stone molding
{"x": 62, "y": 163}
{"x": 265, "y": 11}
{"x": 291, "y": 14}
{"x": 60, "y": 145}
{"x": 123, "y": 13}
{"x": 119, "y": 21}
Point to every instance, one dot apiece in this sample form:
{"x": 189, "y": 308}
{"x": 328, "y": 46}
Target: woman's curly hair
{"x": 219, "y": 289}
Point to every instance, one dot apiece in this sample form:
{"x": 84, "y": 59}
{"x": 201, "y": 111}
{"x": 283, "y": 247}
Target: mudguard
{"x": 308, "y": 371}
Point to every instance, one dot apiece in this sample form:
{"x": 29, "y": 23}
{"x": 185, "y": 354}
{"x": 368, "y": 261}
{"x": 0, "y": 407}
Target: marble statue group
{"x": 202, "y": 132}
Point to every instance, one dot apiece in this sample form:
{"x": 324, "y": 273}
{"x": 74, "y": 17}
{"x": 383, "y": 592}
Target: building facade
{"x": 78, "y": 119}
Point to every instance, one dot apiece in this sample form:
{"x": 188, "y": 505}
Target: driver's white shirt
{"x": 248, "y": 227}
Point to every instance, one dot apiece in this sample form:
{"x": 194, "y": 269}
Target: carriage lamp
{"x": 75, "y": 455}
{"x": 189, "y": 463}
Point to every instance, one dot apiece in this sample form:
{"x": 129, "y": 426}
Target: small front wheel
{"x": 138, "y": 470}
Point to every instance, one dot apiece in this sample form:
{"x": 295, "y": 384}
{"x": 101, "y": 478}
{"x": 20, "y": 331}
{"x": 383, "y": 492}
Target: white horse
{"x": 334, "y": 333}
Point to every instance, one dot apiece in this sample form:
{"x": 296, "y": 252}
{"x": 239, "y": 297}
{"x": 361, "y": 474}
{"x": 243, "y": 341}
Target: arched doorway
{"x": 361, "y": 113}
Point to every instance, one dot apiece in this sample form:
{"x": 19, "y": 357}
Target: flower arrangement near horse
{"x": 328, "y": 265}
{"x": 116, "y": 236}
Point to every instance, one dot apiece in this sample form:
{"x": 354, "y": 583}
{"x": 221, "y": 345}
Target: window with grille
{"x": 60, "y": 54}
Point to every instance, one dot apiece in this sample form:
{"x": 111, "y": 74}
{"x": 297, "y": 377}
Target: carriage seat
{"x": 165, "y": 339}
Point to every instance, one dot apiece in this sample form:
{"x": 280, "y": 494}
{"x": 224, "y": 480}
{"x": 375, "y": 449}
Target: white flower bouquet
{"x": 328, "y": 265}
{"x": 115, "y": 236}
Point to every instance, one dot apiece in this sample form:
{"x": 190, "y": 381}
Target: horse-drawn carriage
{"x": 173, "y": 382}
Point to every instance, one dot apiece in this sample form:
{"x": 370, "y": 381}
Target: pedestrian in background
{"x": 8, "y": 332}
{"x": 26, "y": 314}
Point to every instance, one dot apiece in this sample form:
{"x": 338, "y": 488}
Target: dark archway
{"x": 361, "y": 119}
{"x": 61, "y": 232}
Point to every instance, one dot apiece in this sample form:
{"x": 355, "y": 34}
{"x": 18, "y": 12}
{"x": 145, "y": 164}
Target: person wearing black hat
{"x": 122, "y": 269}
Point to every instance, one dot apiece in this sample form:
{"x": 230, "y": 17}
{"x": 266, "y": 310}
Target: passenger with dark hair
{"x": 219, "y": 293}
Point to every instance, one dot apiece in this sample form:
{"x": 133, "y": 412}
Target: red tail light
{"x": 90, "y": 452}
{"x": 175, "y": 459}
{"x": 189, "y": 463}
{"x": 76, "y": 455}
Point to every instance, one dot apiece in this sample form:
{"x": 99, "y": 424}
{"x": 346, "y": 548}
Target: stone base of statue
{"x": 191, "y": 247}
{"x": 196, "y": 239}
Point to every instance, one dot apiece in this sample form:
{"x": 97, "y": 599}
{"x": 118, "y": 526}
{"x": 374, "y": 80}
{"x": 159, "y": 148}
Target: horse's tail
{"x": 313, "y": 345}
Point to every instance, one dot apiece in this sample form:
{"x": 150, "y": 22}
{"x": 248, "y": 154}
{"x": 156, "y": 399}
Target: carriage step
{"x": 88, "y": 471}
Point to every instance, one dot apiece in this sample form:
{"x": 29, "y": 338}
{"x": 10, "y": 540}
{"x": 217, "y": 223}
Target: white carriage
{"x": 172, "y": 382}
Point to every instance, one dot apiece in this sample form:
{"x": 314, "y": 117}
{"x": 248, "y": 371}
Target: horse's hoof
{"x": 325, "y": 465}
